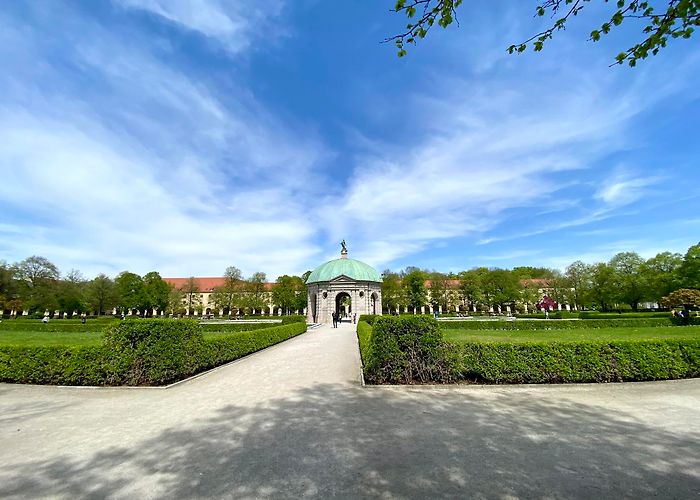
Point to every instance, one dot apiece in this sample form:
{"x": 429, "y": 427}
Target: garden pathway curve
{"x": 294, "y": 421}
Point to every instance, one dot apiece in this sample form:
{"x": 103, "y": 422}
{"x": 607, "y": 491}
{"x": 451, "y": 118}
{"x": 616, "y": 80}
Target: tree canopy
{"x": 657, "y": 23}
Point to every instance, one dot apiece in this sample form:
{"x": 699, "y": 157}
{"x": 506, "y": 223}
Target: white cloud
{"x": 624, "y": 188}
{"x": 146, "y": 168}
{"x": 233, "y": 24}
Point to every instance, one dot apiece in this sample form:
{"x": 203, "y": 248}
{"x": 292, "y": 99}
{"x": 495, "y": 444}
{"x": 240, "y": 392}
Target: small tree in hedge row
{"x": 405, "y": 350}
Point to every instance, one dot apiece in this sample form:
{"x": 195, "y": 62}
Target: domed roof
{"x": 351, "y": 268}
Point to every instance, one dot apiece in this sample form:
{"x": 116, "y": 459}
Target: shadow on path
{"x": 339, "y": 441}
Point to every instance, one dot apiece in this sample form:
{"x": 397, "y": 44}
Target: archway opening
{"x": 343, "y": 305}
{"x": 312, "y": 306}
{"x": 373, "y": 302}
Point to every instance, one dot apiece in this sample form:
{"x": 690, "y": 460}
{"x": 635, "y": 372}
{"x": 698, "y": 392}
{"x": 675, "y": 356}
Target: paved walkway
{"x": 293, "y": 421}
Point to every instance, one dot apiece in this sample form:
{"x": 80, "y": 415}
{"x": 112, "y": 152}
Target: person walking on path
{"x": 335, "y": 320}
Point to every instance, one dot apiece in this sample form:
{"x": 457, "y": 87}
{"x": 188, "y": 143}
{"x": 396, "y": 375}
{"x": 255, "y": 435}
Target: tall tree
{"x": 255, "y": 297}
{"x": 676, "y": 20}
{"x": 602, "y": 285}
{"x": 689, "y": 272}
{"x": 229, "y": 295}
{"x": 287, "y": 293}
{"x": 500, "y": 287}
{"x": 190, "y": 291}
{"x": 102, "y": 294}
{"x": 392, "y": 294}
{"x": 130, "y": 290}
{"x": 38, "y": 279}
{"x": 414, "y": 288}
{"x": 441, "y": 292}
{"x": 71, "y": 294}
{"x": 629, "y": 279}
{"x": 661, "y": 274}
{"x": 471, "y": 286}
{"x": 156, "y": 292}
{"x": 578, "y": 276}
{"x": 9, "y": 295}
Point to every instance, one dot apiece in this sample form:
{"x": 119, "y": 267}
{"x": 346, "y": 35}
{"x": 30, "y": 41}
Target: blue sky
{"x": 185, "y": 137}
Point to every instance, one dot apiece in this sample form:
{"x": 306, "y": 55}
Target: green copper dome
{"x": 351, "y": 268}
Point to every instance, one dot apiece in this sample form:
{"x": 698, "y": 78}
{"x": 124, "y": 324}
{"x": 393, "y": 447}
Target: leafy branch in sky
{"x": 674, "y": 19}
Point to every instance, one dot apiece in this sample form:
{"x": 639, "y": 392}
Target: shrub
{"x": 408, "y": 349}
{"x": 155, "y": 351}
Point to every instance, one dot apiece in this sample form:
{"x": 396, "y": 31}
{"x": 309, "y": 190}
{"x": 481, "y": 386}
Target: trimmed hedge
{"x": 367, "y": 318}
{"x": 137, "y": 352}
{"x": 236, "y": 327}
{"x": 554, "y": 324}
{"x": 624, "y": 315}
{"x": 404, "y": 350}
{"x": 223, "y": 349}
{"x": 587, "y": 361}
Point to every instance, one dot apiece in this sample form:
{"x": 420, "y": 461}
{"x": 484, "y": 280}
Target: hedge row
{"x": 554, "y": 325}
{"x": 137, "y": 352}
{"x": 412, "y": 350}
{"x": 582, "y": 361}
{"x": 290, "y": 318}
{"x": 236, "y": 327}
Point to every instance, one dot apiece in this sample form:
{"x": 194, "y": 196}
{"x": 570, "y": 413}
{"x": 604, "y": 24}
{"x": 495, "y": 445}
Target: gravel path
{"x": 294, "y": 421}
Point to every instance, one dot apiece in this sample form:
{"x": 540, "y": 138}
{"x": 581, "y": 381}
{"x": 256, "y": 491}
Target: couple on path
{"x": 336, "y": 319}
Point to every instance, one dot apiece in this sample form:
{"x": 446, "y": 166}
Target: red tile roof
{"x": 205, "y": 284}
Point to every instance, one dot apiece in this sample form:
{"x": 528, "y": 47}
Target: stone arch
{"x": 312, "y": 307}
{"x": 343, "y": 304}
{"x": 374, "y": 303}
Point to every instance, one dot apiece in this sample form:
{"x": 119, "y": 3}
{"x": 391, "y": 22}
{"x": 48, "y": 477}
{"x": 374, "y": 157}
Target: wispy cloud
{"x": 624, "y": 188}
{"x": 235, "y": 25}
{"x": 155, "y": 172}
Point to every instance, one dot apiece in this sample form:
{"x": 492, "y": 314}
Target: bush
{"x": 155, "y": 351}
{"x": 407, "y": 349}
{"x": 585, "y": 361}
{"x": 555, "y": 325}
{"x": 137, "y": 352}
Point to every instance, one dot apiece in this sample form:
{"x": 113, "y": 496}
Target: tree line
{"x": 625, "y": 281}
{"x": 36, "y": 285}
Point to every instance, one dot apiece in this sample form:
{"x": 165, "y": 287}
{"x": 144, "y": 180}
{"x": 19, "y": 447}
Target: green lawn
{"x": 43, "y": 338}
{"x": 652, "y": 333}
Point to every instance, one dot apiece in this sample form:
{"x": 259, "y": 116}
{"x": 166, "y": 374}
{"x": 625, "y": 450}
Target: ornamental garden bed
{"x": 130, "y": 352}
{"x": 417, "y": 350}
